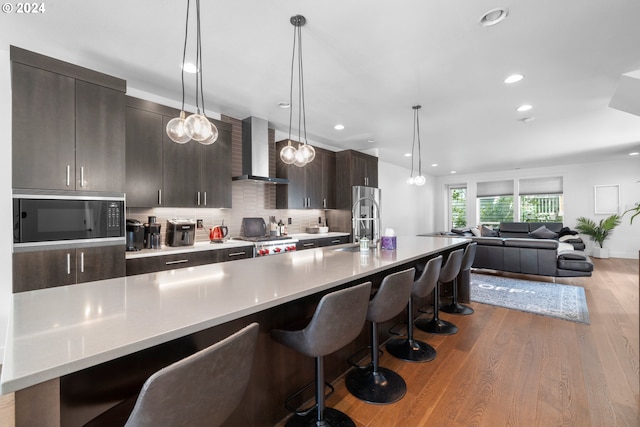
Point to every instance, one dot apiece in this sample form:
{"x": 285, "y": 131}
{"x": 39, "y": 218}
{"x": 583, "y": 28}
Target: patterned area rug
{"x": 547, "y": 299}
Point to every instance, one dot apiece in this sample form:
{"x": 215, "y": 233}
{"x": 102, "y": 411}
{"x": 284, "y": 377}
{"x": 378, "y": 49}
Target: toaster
{"x": 181, "y": 232}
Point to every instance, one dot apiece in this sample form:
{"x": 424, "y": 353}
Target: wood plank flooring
{"x": 507, "y": 368}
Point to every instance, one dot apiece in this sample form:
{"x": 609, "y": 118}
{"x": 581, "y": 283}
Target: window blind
{"x": 495, "y": 188}
{"x": 534, "y": 186}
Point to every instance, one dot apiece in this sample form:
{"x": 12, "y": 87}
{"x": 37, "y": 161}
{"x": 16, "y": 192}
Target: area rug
{"x": 547, "y": 299}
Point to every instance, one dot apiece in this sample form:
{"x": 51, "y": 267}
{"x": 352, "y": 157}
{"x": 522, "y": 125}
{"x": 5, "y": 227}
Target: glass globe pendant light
{"x": 305, "y": 153}
{"x": 196, "y": 126}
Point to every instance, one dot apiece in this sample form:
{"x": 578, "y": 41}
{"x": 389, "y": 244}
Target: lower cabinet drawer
{"x": 183, "y": 260}
{"x": 232, "y": 254}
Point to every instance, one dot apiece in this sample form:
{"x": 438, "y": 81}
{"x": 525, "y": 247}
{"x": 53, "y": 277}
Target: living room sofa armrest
{"x": 489, "y": 241}
{"x": 531, "y": 243}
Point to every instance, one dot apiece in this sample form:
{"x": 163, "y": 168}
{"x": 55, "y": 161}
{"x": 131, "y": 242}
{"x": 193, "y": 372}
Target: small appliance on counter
{"x": 218, "y": 233}
{"x": 135, "y": 235}
{"x": 181, "y": 232}
{"x": 152, "y": 234}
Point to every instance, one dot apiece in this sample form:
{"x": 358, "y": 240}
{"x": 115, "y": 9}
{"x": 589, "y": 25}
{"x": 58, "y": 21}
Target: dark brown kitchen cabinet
{"x": 311, "y": 186}
{"x": 59, "y": 267}
{"x": 232, "y": 254}
{"x": 353, "y": 168}
{"x": 68, "y": 125}
{"x": 322, "y": 242}
{"x": 162, "y": 173}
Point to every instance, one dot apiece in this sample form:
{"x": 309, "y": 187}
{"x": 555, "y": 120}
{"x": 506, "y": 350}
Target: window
{"x": 541, "y": 200}
{"x": 495, "y": 202}
{"x": 458, "y": 206}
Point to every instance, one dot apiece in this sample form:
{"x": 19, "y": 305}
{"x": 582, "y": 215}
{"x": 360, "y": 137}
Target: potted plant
{"x": 635, "y": 210}
{"x": 598, "y": 232}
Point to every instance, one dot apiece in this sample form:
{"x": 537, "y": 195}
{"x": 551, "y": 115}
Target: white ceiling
{"x": 368, "y": 62}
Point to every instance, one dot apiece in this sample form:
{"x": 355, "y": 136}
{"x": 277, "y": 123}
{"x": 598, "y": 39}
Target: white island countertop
{"x": 56, "y": 331}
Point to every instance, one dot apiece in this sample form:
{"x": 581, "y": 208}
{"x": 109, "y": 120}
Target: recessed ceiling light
{"x": 635, "y": 153}
{"x": 284, "y": 104}
{"x": 524, "y": 107}
{"x": 527, "y": 119}
{"x": 190, "y": 68}
{"x": 493, "y": 17}
{"x": 407, "y": 154}
{"x": 513, "y": 78}
{"x": 434, "y": 164}
{"x": 338, "y": 127}
{"x": 371, "y": 140}
{"x": 453, "y": 172}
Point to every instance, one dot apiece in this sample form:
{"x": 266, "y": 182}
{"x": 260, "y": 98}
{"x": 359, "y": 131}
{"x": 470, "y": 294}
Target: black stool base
{"x": 436, "y": 326}
{"x": 411, "y": 351}
{"x": 332, "y": 418}
{"x": 384, "y": 387}
{"x": 455, "y": 308}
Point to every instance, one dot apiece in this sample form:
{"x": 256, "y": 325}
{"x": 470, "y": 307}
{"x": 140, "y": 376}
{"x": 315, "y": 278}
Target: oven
{"x": 255, "y": 230}
{"x": 42, "y": 218}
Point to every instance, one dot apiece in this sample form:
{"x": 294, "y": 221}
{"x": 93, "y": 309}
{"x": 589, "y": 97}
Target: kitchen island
{"x": 64, "y": 342}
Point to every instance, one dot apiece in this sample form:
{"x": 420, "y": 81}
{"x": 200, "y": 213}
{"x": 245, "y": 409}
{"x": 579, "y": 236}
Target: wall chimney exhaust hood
{"x": 255, "y": 152}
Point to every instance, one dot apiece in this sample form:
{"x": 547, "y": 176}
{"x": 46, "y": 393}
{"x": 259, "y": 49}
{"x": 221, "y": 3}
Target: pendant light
{"x": 196, "y": 126}
{"x": 419, "y": 180}
{"x": 304, "y": 153}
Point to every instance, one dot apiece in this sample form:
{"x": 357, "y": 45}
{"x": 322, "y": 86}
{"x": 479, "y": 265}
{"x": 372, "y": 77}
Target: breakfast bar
{"x": 70, "y": 349}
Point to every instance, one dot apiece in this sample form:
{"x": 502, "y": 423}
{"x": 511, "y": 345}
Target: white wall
{"x": 5, "y": 200}
{"x": 579, "y": 181}
{"x": 407, "y": 209}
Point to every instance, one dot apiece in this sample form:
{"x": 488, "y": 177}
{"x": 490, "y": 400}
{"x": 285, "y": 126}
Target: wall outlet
{"x": 289, "y": 221}
{"x": 199, "y": 223}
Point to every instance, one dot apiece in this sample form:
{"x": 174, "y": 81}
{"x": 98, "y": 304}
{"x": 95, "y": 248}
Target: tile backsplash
{"x": 249, "y": 199}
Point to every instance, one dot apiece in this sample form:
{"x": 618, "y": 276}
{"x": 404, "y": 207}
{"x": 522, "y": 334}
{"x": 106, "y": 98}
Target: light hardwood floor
{"x": 507, "y": 368}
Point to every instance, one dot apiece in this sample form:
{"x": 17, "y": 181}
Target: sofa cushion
{"x": 575, "y": 264}
{"x": 556, "y": 227}
{"x": 489, "y": 241}
{"x": 572, "y": 255}
{"x": 531, "y": 243}
{"x": 487, "y": 232}
{"x": 514, "y": 227}
{"x": 476, "y": 232}
{"x": 543, "y": 233}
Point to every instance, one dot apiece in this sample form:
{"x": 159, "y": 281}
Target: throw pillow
{"x": 487, "y": 232}
{"x": 543, "y": 233}
{"x": 476, "y": 232}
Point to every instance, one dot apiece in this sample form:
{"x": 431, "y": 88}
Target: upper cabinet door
{"x": 181, "y": 172}
{"x": 100, "y": 138}
{"x": 43, "y": 128}
{"x": 144, "y": 158}
{"x": 215, "y": 167}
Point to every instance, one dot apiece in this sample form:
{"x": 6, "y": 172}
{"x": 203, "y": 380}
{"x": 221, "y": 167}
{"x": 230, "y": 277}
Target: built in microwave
{"x": 41, "y": 218}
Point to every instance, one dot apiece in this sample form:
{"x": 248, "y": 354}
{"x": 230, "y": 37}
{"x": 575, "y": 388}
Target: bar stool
{"x": 408, "y": 348}
{"x": 467, "y": 261}
{"x": 200, "y": 390}
{"x": 337, "y": 320}
{"x": 372, "y": 383}
{"x": 448, "y": 272}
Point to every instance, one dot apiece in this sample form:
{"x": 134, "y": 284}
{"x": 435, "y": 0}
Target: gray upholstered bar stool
{"x": 200, "y": 390}
{"x": 337, "y": 320}
{"x": 408, "y": 348}
{"x": 372, "y": 383}
{"x": 448, "y": 272}
{"x": 467, "y": 260}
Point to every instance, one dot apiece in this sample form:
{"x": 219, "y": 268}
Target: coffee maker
{"x": 135, "y": 235}
{"x": 152, "y": 234}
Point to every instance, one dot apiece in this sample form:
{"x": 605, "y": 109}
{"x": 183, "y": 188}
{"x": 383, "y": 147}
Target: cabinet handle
{"x": 68, "y": 175}
{"x": 198, "y": 198}
{"x": 324, "y": 203}
{"x": 306, "y": 245}
{"x": 68, "y": 263}
{"x": 335, "y": 241}
{"x": 159, "y": 197}
{"x": 81, "y": 262}
{"x": 81, "y": 176}
{"x": 180, "y": 261}
{"x": 237, "y": 254}
{"x": 205, "y": 198}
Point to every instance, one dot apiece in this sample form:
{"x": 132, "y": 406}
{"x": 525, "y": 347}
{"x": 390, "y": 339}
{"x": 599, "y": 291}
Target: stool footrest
{"x": 304, "y": 412}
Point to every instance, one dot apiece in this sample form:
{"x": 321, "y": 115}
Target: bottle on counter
{"x": 281, "y": 228}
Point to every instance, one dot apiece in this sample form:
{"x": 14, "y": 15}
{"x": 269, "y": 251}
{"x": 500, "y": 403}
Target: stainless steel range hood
{"x": 255, "y": 152}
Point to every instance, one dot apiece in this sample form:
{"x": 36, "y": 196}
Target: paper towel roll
{"x": 389, "y": 232}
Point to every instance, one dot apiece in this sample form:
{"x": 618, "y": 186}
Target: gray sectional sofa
{"x": 518, "y": 248}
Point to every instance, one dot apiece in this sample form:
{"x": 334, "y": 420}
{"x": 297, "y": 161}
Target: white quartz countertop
{"x": 208, "y": 246}
{"x": 53, "y": 332}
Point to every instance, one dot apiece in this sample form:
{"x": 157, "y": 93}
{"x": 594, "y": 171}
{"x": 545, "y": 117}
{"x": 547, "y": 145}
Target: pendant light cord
{"x": 200, "y": 59}
{"x": 293, "y": 58}
{"x": 419, "y": 144}
{"x": 301, "y": 80}
{"x": 184, "y": 51}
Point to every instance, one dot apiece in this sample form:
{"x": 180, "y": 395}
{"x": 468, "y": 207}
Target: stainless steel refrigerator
{"x": 365, "y": 213}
